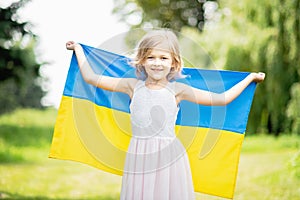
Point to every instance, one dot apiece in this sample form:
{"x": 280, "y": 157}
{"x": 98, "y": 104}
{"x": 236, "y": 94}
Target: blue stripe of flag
{"x": 232, "y": 117}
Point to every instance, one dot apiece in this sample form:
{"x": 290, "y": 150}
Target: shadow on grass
{"x": 16, "y": 140}
{"x": 6, "y": 195}
{"x": 8, "y": 157}
{"x": 33, "y": 136}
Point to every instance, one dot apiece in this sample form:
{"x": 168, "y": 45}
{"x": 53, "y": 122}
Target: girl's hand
{"x": 258, "y": 77}
{"x": 70, "y": 45}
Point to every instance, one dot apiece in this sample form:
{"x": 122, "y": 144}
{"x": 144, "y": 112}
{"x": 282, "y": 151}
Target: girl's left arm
{"x": 185, "y": 92}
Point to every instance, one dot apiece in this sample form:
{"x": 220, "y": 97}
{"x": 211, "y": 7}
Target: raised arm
{"x": 124, "y": 85}
{"x": 185, "y": 92}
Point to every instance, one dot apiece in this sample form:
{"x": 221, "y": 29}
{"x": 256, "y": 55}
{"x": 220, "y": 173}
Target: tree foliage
{"x": 292, "y": 111}
{"x": 173, "y": 14}
{"x": 19, "y": 70}
{"x": 276, "y": 52}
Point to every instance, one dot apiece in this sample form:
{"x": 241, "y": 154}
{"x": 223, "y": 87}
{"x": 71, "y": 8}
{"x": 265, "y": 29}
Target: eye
{"x": 164, "y": 58}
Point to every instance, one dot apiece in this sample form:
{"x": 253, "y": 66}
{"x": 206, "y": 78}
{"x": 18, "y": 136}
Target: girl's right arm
{"x": 124, "y": 85}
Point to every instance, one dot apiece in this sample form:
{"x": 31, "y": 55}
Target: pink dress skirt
{"x": 157, "y": 166}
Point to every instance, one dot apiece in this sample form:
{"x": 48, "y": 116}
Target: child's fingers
{"x": 70, "y": 45}
{"x": 260, "y": 76}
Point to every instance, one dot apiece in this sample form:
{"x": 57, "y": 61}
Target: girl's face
{"x": 158, "y": 64}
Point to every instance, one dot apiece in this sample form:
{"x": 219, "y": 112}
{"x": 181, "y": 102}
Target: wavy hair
{"x": 151, "y": 40}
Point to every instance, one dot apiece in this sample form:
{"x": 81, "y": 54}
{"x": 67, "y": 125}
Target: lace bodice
{"x": 153, "y": 112}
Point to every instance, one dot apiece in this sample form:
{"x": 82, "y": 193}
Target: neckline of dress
{"x": 160, "y": 89}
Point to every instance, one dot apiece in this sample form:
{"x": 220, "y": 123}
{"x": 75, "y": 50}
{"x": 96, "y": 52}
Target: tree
{"x": 277, "y": 54}
{"x": 141, "y": 15}
{"x": 262, "y": 36}
{"x": 173, "y": 14}
{"x": 293, "y": 109}
{"x": 19, "y": 70}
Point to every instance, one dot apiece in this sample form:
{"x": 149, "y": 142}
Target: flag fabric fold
{"x": 93, "y": 125}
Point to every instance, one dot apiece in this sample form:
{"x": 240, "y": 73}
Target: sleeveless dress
{"x": 156, "y": 166}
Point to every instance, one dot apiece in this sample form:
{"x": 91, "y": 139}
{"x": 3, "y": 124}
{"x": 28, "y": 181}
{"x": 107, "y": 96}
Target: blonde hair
{"x": 151, "y": 40}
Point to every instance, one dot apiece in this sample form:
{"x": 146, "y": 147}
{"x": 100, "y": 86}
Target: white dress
{"x": 156, "y": 167}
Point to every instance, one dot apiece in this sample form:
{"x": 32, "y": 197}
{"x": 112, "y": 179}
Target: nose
{"x": 157, "y": 61}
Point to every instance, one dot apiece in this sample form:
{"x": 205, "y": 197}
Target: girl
{"x": 157, "y": 166}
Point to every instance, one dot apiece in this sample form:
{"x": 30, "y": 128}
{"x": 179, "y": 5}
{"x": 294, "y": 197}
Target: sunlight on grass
{"x": 265, "y": 143}
{"x": 58, "y": 180}
{"x": 30, "y": 117}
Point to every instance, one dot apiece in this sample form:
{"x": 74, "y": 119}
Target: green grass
{"x": 267, "y": 144}
{"x": 269, "y": 167}
{"x": 25, "y": 134}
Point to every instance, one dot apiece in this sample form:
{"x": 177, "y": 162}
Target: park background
{"x": 247, "y": 35}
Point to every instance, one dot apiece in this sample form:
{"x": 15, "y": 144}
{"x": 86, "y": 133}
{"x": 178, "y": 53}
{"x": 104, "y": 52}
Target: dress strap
{"x": 171, "y": 87}
{"x": 138, "y": 85}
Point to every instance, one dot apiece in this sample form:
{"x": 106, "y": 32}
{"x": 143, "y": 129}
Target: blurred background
{"x": 246, "y": 35}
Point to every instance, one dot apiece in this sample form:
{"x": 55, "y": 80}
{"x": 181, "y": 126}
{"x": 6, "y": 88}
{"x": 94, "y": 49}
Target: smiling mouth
{"x": 156, "y": 69}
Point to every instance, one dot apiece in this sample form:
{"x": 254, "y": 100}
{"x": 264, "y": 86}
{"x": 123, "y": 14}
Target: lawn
{"x": 269, "y": 167}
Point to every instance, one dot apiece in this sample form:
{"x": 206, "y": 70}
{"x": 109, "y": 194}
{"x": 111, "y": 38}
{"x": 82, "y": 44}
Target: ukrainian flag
{"x": 93, "y": 125}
